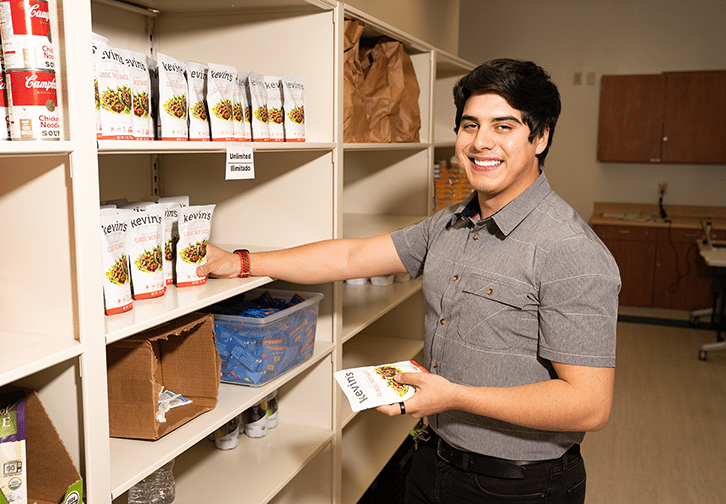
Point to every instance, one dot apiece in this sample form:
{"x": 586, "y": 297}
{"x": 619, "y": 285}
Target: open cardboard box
{"x": 180, "y": 356}
{"x": 52, "y": 476}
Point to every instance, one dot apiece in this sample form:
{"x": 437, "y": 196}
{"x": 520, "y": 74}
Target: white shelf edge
{"x": 133, "y": 460}
{"x": 36, "y": 148}
{"x": 24, "y": 354}
{"x": 175, "y": 303}
{"x": 161, "y": 147}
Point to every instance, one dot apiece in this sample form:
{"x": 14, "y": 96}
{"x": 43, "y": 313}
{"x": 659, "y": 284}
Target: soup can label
{"x": 26, "y": 38}
{"x": 33, "y": 105}
{"x": 4, "y": 110}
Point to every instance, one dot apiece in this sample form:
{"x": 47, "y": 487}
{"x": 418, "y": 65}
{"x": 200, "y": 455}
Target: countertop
{"x": 677, "y": 216}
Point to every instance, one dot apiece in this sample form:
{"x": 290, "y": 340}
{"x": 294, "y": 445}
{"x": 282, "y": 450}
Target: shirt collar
{"x": 513, "y": 212}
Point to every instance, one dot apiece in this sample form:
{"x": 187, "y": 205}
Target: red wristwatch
{"x": 244, "y": 259}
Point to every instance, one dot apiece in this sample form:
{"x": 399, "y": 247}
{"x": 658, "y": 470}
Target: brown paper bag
{"x": 355, "y": 125}
{"x": 391, "y": 92}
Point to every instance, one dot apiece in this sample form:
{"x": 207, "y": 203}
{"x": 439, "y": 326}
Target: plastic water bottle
{"x": 157, "y": 488}
{"x": 165, "y": 483}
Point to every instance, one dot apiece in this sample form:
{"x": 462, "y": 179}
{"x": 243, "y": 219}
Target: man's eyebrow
{"x": 494, "y": 119}
{"x": 506, "y": 118}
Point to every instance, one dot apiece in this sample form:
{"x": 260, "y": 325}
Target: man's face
{"x": 492, "y": 147}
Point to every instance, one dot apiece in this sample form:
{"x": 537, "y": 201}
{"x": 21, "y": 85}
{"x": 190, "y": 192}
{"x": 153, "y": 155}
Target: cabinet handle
{"x": 624, "y": 231}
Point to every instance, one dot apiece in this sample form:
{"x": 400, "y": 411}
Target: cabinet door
{"x": 631, "y": 116}
{"x": 694, "y": 123}
{"x": 682, "y": 279}
{"x": 633, "y": 248}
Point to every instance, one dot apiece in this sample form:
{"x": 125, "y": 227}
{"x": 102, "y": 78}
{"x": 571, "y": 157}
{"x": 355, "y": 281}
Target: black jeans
{"x": 434, "y": 481}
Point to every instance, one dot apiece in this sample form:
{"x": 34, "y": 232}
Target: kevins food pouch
{"x": 294, "y": 106}
{"x": 114, "y": 87}
{"x": 143, "y": 122}
{"x": 116, "y": 280}
{"x": 195, "y": 226}
{"x": 258, "y": 103}
{"x": 220, "y": 94}
{"x": 97, "y": 44}
{"x": 144, "y": 249}
{"x": 13, "y": 477}
{"x": 172, "y": 112}
{"x": 275, "y": 114}
{"x": 243, "y": 128}
{"x": 198, "y": 112}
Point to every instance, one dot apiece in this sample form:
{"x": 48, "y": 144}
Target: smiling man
{"x": 521, "y": 306}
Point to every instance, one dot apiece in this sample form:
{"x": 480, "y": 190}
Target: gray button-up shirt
{"x": 505, "y": 296}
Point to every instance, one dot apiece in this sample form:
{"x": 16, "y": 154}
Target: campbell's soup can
{"x": 4, "y": 109}
{"x": 26, "y": 38}
{"x": 33, "y": 105}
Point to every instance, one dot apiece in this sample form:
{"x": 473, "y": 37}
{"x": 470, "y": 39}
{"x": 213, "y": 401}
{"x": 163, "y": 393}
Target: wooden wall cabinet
{"x": 673, "y": 117}
{"x": 660, "y": 267}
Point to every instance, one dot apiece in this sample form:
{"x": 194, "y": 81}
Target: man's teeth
{"x": 486, "y": 163}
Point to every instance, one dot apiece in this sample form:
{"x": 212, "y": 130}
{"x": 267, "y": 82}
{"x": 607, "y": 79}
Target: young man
{"x": 521, "y": 306}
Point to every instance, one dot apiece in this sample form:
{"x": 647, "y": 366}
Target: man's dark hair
{"x": 525, "y": 86}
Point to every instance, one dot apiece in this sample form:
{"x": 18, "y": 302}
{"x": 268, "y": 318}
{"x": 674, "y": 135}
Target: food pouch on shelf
{"x": 144, "y": 248}
{"x": 116, "y": 280}
{"x": 220, "y": 90}
{"x": 114, "y": 87}
{"x": 197, "y": 93}
{"x": 143, "y": 123}
{"x": 275, "y": 114}
{"x": 98, "y": 42}
{"x": 373, "y": 386}
{"x": 195, "y": 226}
{"x": 13, "y": 477}
{"x": 243, "y": 128}
{"x": 258, "y": 104}
{"x": 172, "y": 105}
{"x": 293, "y": 102}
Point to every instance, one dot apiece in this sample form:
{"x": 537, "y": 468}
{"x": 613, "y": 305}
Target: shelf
{"x": 153, "y": 7}
{"x": 159, "y": 147}
{"x": 364, "y": 304}
{"x": 133, "y": 460}
{"x": 366, "y": 350}
{"x": 176, "y": 302}
{"x": 25, "y": 354}
{"x": 36, "y": 148}
{"x": 257, "y": 469}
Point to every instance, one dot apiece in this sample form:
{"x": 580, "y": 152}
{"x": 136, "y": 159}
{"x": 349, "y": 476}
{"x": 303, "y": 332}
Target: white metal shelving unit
{"x": 321, "y": 452}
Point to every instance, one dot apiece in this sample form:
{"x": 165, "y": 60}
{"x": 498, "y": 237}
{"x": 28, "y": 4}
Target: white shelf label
{"x": 240, "y": 163}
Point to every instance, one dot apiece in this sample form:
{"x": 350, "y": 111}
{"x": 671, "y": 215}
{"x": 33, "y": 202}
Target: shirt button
{"x": 455, "y": 278}
{"x": 442, "y": 321}
{"x": 490, "y": 291}
{"x": 434, "y": 365}
{"x": 475, "y": 237}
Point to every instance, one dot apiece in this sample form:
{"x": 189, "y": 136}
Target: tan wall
{"x": 433, "y": 21}
{"x": 604, "y": 37}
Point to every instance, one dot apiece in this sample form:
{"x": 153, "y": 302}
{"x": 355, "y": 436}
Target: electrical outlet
{"x": 662, "y": 186}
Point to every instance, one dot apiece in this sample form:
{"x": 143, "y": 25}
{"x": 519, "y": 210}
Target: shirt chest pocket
{"x": 491, "y": 312}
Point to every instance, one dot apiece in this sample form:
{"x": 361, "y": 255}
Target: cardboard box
{"x": 256, "y": 350}
{"x": 52, "y": 476}
{"x": 179, "y": 356}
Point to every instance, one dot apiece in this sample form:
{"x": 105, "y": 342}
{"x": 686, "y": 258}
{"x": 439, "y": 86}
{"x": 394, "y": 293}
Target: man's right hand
{"x": 220, "y": 263}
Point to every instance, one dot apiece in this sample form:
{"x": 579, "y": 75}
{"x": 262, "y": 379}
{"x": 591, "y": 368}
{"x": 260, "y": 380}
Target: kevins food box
{"x": 255, "y": 350}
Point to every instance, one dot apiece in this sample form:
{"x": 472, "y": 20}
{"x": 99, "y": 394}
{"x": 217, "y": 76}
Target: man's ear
{"x": 541, "y": 141}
